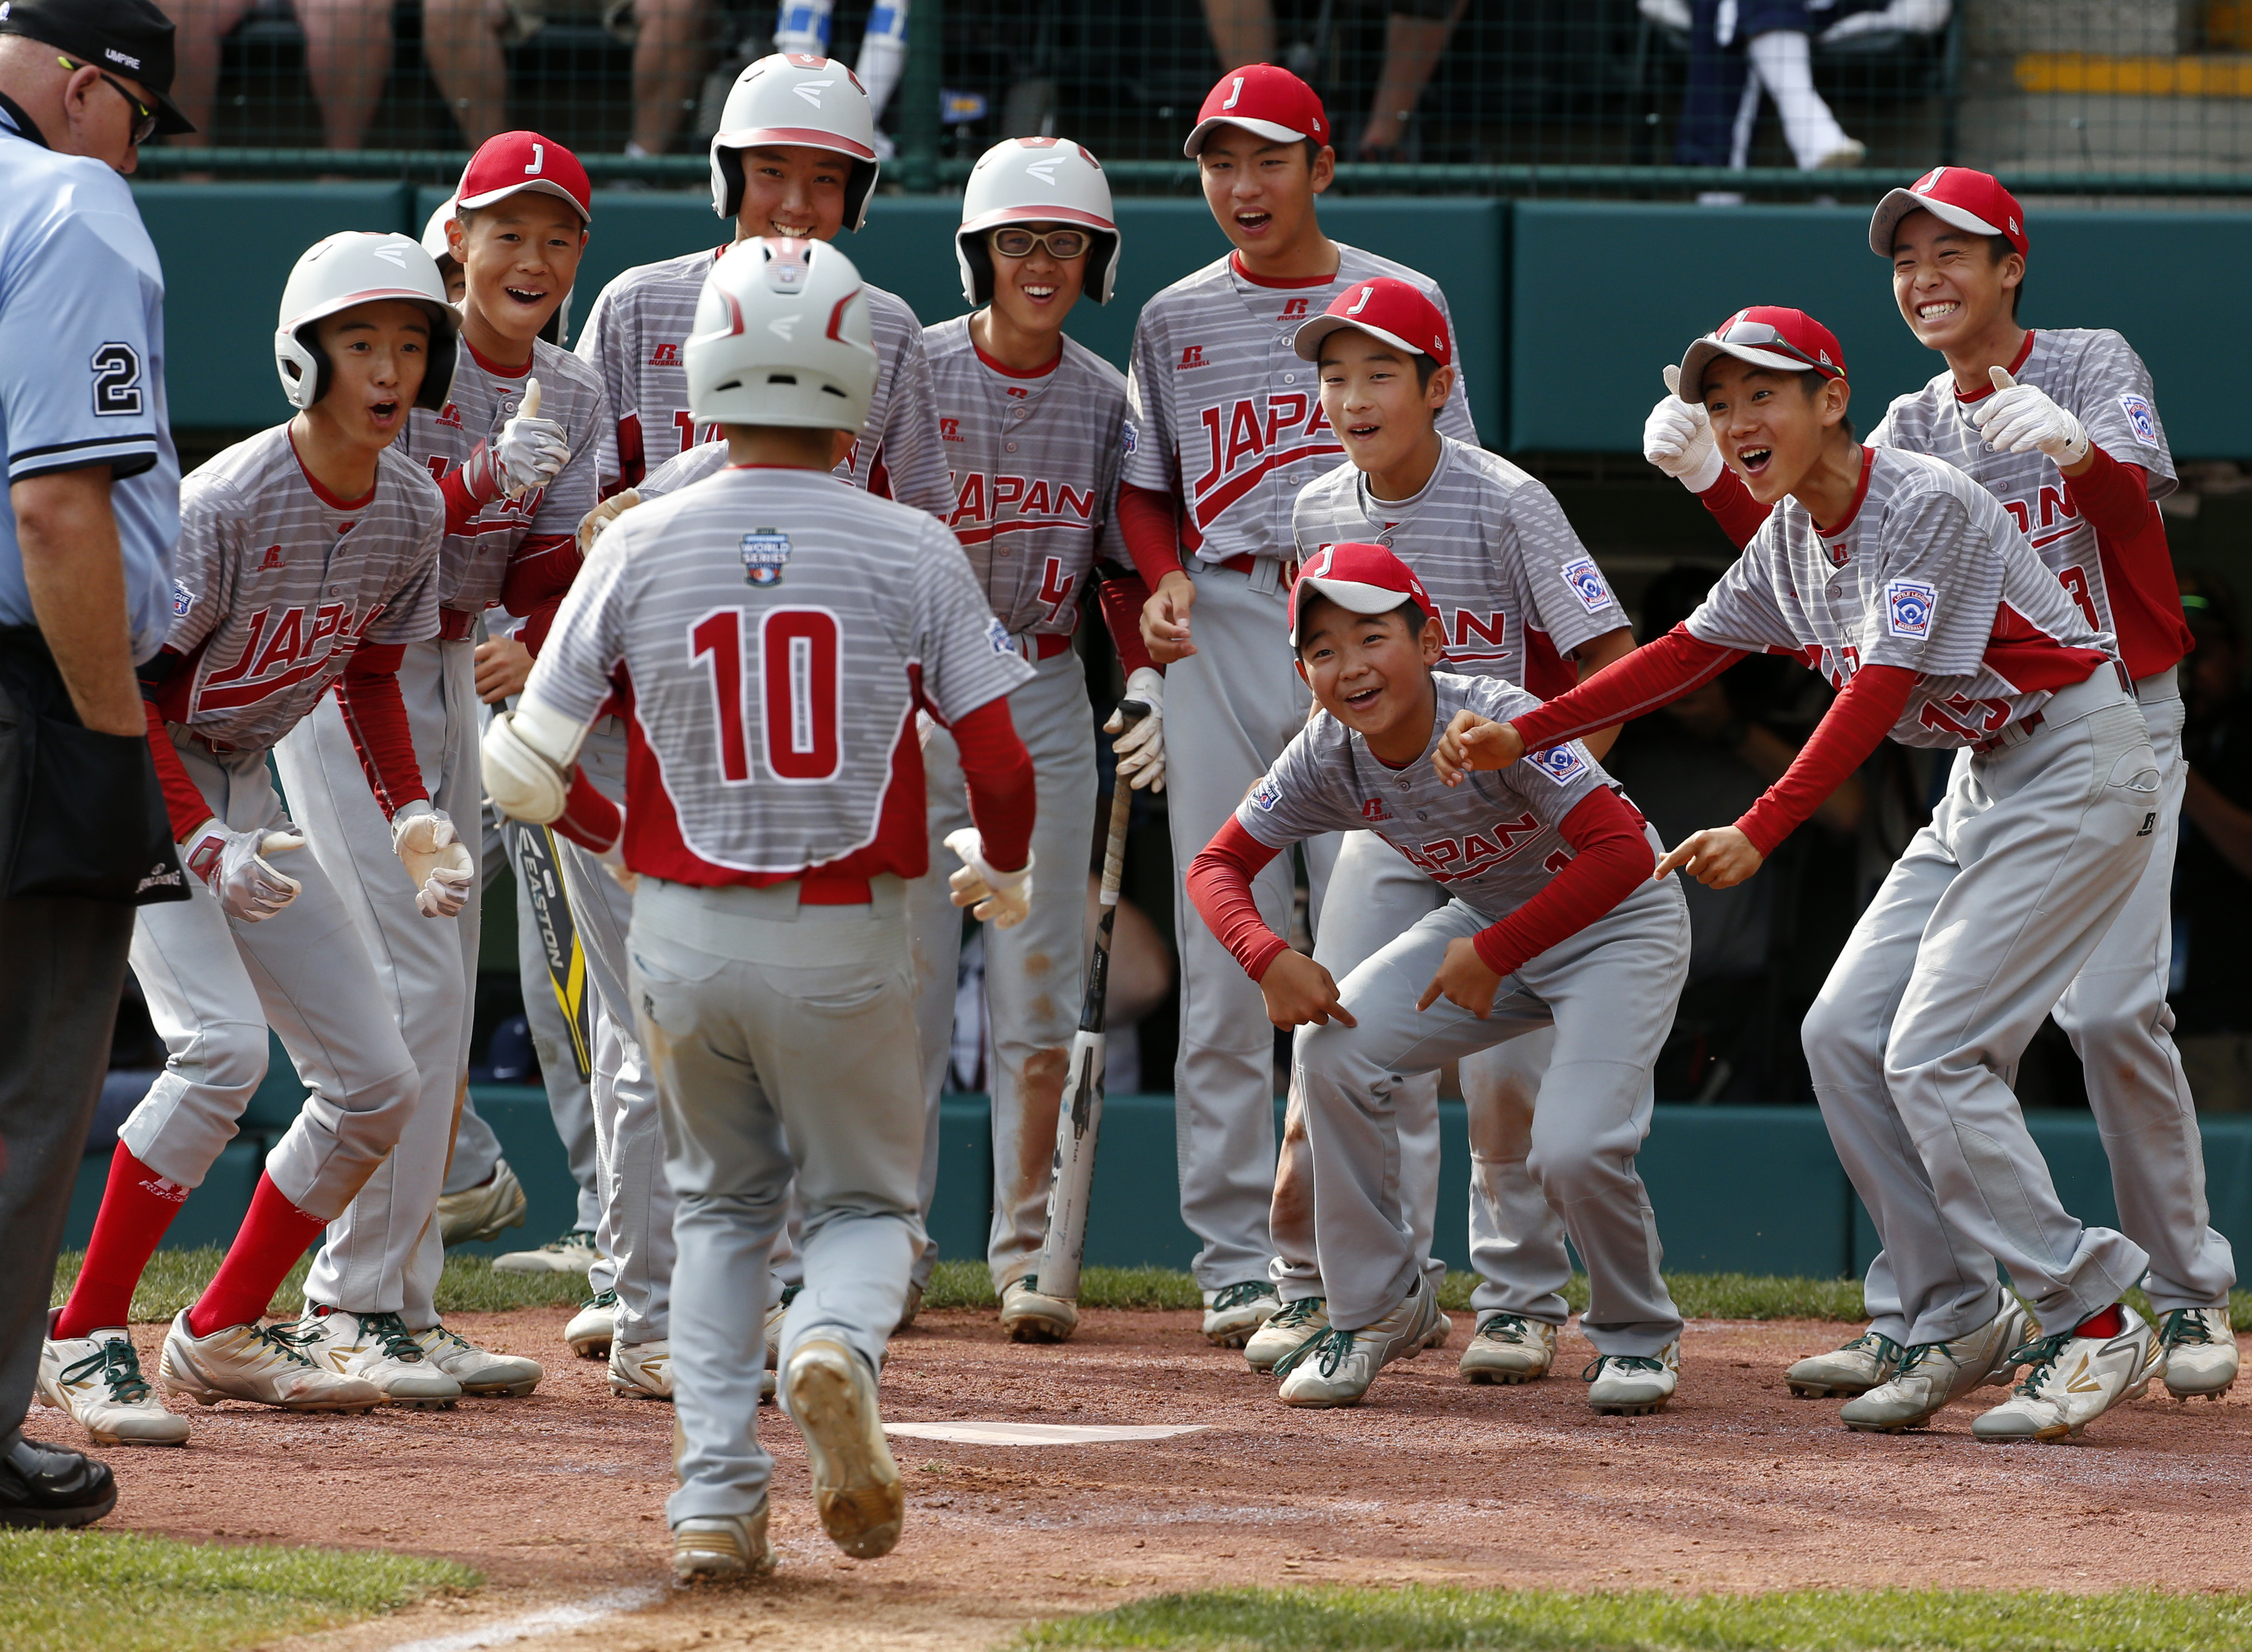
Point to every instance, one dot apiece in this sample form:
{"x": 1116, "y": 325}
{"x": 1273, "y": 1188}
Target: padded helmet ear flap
{"x": 859, "y": 185}
{"x": 303, "y": 366}
{"x": 1101, "y": 266}
{"x": 976, "y": 261}
{"x": 727, "y": 180}
{"x": 438, "y": 376}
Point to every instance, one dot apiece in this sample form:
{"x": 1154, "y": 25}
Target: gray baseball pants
{"x": 1982, "y": 924}
{"x": 783, "y": 1042}
{"x": 1608, "y": 992}
{"x": 1230, "y": 708}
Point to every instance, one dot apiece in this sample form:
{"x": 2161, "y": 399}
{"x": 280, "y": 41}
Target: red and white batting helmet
{"x": 794, "y": 101}
{"x": 360, "y": 266}
{"x": 782, "y": 336}
{"x": 1037, "y": 180}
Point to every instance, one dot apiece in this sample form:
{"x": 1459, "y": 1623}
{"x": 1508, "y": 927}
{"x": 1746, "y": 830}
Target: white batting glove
{"x": 592, "y": 524}
{"x": 1140, "y": 749}
{"x": 437, "y": 861}
{"x": 999, "y": 898}
{"x": 2017, "y": 418}
{"x": 527, "y": 454}
{"x": 1678, "y": 438}
{"x": 231, "y": 863}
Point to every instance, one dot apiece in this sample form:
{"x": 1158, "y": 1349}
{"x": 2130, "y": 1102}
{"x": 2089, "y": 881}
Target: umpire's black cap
{"x": 130, "y": 37}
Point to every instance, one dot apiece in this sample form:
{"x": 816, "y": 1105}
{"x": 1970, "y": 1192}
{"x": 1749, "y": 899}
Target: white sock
{"x": 883, "y": 55}
{"x": 1785, "y": 65}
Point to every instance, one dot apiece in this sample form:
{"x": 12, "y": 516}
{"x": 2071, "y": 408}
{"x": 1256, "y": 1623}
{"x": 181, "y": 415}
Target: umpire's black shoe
{"x": 44, "y": 1485}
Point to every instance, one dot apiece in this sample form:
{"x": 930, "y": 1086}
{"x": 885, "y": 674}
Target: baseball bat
{"x": 1079, "y": 1121}
{"x": 538, "y": 868}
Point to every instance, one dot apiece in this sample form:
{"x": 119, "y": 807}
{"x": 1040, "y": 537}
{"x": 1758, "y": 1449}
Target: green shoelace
{"x": 1241, "y": 1295}
{"x": 2037, "y": 1358}
{"x": 1327, "y": 1350}
{"x": 1302, "y": 1312}
{"x": 288, "y": 1339}
{"x": 1624, "y": 1361}
{"x": 391, "y": 1334}
{"x": 116, "y": 1363}
{"x": 1507, "y": 1327}
{"x": 2181, "y": 1327}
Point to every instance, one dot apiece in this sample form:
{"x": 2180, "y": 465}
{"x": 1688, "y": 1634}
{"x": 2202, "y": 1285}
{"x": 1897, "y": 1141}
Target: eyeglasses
{"x": 1065, "y": 244}
{"x": 144, "y": 118}
{"x": 1764, "y": 335}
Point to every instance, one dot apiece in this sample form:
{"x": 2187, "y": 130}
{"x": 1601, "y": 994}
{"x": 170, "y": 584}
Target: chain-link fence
{"x": 1653, "y": 98}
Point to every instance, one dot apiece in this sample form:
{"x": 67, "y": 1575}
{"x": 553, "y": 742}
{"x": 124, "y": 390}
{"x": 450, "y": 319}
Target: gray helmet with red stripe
{"x": 795, "y": 101}
{"x": 360, "y": 266}
{"x": 1037, "y": 180}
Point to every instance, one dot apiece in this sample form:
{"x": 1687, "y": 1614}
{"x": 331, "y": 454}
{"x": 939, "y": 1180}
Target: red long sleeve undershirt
{"x": 538, "y": 578}
{"x": 1150, "y": 522}
{"x": 2111, "y": 496}
{"x": 1612, "y": 860}
{"x": 1652, "y": 676}
{"x": 375, "y": 717}
{"x": 462, "y": 506}
{"x": 1854, "y": 726}
{"x": 184, "y": 800}
{"x": 1123, "y": 596}
{"x": 589, "y": 819}
{"x": 1732, "y": 507}
{"x": 997, "y": 772}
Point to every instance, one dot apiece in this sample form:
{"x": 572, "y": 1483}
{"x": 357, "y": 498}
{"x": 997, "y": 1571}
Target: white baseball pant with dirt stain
{"x": 1972, "y": 939}
{"x": 783, "y": 1042}
{"x": 1033, "y": 971}
{"x": 384, "y": 1254}
{"x": 214, "y": 985}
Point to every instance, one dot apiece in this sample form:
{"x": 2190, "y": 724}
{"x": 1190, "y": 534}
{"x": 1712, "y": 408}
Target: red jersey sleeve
{"x": 375, "y": 716}
{"x": 1150, "y": 522}
{"x": 1732, "y": 507}
{"x": 184, "y": 804}
{"x": 1219, "y": 881}
{"x": 1651, "y": 676}
{"x": 997, "y": 772}
{"x": 1854, "y": 727}
{"x": 1612, "y": 860}
{"x": 2114, "y": 498}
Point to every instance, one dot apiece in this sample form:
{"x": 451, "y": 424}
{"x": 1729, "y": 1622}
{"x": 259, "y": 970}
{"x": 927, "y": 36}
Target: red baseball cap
{"x": 1968, "y": 200}
{"x": 1766, "y": 336}
{"x": 1396, "y": 311}
{"x": 525, "y": 160}
{"x": 1265, "y": 99}
{"x": 1361, "y": 579}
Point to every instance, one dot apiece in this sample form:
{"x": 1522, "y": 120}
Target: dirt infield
{"x": 558, "y": 1497}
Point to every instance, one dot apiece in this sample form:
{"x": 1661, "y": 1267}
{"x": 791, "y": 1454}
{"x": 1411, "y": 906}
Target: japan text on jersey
{"x": 779, "y": 633}
{"x": 1034, "y": 463}
{"x": 1491, "y": 842}
{"x": 1228, "y": 417}
{"x": 278, "y": 583}
{"x": 1930, "y": 574}
{"x": 1516, "y": 591}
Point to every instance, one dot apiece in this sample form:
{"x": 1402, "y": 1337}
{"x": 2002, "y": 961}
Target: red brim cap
{"x": 1265, "y": 99}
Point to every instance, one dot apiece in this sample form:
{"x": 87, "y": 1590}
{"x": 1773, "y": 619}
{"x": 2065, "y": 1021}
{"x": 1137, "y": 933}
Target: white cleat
{"x": 1633, "y": 1385}
{"x": 1337, "y": 1367}
{"x": 1298, "y": 1323}
{"x": 1508, "y": 1348}
{"x": 2200, "y": 1349}
{"x": 595, "y": 1326}
{"x": 97, "y": 1379}
{"x": 263, "y": 1364}
{"x": 1860, "y": 1365}
{"x": 2071, "y": 1380}
{"x": 1233, "y": 1312}
{"x": 479, "y": 1370}
{"x": 1932, "y": 1375}
{"x": 1029, "y": 1314}
{"x": 642, "y": 1370}
{"x": 380, "y": 1347}
{"x": 573, "y": 1254}
{"x": 1441, "y": 1328}
{"x": 714, "y": 1548}
{"x": 856, "y": 1484}
{"x": 777, "y": 1311}
{"x": 483, "y": 1211}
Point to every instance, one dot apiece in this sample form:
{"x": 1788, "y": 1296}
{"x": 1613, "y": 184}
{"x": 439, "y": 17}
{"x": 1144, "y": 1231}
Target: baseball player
{"x": 2060, "y": 426}
{"x": 1551, "y": 917}
{"x": 1911, "y": 587}
{"x": 308, "y": 560}
{"x": 779, "y": 633}
{"x": 513, "y": 448}
{"x": 1518, "y": 597}
{"x": 1228, "y": 426}
{"x": 1033, "y": 426}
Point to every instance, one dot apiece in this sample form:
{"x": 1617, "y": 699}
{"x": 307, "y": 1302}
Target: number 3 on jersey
{"x": 792, "y": 657}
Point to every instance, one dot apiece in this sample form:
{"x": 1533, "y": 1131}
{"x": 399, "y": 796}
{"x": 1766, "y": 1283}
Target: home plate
{"x": 1037, "y": 1433}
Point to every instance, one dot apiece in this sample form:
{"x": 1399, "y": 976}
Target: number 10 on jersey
{"x": 779, "y": 671}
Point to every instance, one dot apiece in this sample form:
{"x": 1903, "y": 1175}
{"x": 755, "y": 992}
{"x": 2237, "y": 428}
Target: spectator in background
{"x": 802, "y": 27}
{"x": 461, "y": 41}
{"x": 1737, "y": 50}
{"x": 2212, "y": 986}
{"x": 1415, "y": 33}
{"x": 347, "y": 58}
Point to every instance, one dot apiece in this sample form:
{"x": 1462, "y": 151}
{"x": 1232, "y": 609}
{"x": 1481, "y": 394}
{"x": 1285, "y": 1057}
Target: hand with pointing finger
{"x": 1463, "y": 980}
{"x": 1678, "y": 438}
{"x": 1719, "y": 858}
{"x": 2019, "y": 418}
{"x": 1297, "y": 991}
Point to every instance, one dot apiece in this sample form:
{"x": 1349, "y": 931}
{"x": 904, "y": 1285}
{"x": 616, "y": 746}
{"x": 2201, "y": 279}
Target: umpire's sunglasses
{"x": 1062, "y": 245}
{"x": 1759, "y": 335}
{"x": 144, "y": 118}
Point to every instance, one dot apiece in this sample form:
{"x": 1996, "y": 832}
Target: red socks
{"x": 137, "y": 1207}
{"x": 274, "y": 1234}
{"x": 2106, "y": 1323}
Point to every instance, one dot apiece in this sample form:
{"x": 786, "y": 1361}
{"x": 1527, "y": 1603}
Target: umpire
{"x": 87, "y": 532}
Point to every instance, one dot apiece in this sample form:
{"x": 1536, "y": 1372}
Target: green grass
{"x": 68, "y": 1591}
{"x": 1426, "y": 1619}
{"x": 468, "y": 1286}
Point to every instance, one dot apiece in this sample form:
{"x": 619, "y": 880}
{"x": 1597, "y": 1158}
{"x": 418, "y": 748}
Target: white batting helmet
{"x": 1036, "y": 180}
{"x": 359, "y": 266}
{"x": 782, "y": 336}
{"x": 802, "y": 101}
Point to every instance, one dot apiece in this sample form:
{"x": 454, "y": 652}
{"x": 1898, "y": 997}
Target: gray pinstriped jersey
{"x": 634, "y": 339}
{"x": 1517, "y": 590}
{"x": 1035, "y": 469}
{"x": 1929, "y": 573}
{"x": 482, "y": 400}
{"x": 1491, "y": 841}
{"x": 2096, "y": 375}
{"x": 776, "y": 656}
{"x": 276, "y": 584}
{"x": 1226, "y": 418}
